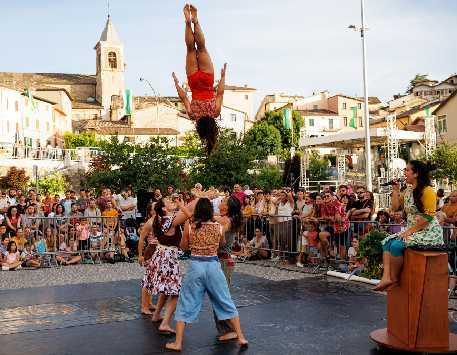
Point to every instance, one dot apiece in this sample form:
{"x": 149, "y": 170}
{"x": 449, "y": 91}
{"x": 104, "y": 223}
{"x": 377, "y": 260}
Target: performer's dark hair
{"x": 208, "y": 131}
{"x": 158, "y": 208}
{"x": 423, "y": 180}
{"x": 203, "y": 212}
{"x": 234, "y": 213}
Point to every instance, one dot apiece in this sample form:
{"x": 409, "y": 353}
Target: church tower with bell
{"x": 110, "y": 88}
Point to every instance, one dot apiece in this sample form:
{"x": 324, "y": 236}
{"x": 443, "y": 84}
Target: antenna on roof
{"x": 108, "y": 9}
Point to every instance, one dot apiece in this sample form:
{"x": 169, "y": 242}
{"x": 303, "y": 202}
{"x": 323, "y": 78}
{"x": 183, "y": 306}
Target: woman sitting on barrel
{"x": 422, "y": 230}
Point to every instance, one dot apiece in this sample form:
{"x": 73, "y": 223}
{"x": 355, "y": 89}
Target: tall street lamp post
{"x": 362, "y": 30}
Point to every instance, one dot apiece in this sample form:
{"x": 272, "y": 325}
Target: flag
{"x": 28, "y": 93}
{"x": 128, "y": 102}
{"x": 287, "y": 118}
{"x": 353, "y": 121}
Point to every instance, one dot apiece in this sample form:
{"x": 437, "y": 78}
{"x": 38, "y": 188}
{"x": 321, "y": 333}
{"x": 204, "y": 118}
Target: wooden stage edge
{"x": 383, "y": 339}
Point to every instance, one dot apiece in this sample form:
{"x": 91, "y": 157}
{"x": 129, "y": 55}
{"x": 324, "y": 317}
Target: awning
{"x": 356, "y": 138}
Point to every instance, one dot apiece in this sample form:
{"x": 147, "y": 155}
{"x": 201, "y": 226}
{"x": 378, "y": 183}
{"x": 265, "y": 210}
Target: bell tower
{"x": 110, "y": 71}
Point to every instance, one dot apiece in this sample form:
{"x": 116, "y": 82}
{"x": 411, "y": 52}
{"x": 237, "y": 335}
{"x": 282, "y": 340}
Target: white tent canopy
{"x": 356, "y": 138}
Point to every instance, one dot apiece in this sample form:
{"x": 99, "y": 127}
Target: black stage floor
{"x": 305, "y": 316}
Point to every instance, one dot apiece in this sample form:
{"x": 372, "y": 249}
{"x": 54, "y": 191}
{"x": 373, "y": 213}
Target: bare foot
{"x": 228, "y": 336}
{"x": 193, "y": 12}
{"x": 173, "y": 347}
{"x": 146, "y": 311}
{"x": 383, "y": 285}
{"x": 186, "y": 11}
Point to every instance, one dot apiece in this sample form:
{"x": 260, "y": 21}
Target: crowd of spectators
{"x": 317, "y": 227}
{"x": 40, "y": 230}
{"x": 301, "y": 226}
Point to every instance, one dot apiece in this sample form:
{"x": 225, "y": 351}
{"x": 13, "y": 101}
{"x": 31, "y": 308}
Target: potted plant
{"x": 371, "y": 250}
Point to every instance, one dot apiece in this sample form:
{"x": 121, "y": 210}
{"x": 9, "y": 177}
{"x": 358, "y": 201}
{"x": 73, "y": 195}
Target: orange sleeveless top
{"x": 204, "y": 241}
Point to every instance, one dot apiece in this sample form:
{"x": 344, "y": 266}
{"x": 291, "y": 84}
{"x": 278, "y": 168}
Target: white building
{"x": 319, "y": 123}
{"x": 317, "y": 101}
{"x": 273, "y": 102}
{"x": 32, "y": 124}
{"x": 234, "y": 119}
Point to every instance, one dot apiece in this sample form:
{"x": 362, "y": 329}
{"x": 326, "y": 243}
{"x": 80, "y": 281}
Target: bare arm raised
{"x": 182, "y": 95}
{"x": 220, "y": 91}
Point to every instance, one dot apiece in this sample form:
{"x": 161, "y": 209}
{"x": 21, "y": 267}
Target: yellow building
{"x": 348, "y": 107}
{"x": 446, "y": 119}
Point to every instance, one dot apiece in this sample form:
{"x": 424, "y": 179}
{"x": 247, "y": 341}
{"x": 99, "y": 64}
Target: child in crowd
{"x": 355, "y": 262}
{"x": 28, "y": 256}
{"x": 40, "y": 244}
{"x": 383, "y": 219}
{"x": 397, "y": 223}
{"x": 309, "y": 242}
{"x": 12, "y": 259}
{"x": 67, "y": 254}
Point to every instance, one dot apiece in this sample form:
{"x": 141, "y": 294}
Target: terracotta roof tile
{"x": 318, "y": 112}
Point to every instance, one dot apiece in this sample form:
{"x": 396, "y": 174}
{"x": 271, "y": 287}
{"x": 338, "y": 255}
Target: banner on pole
{"x": 287, "y": 118}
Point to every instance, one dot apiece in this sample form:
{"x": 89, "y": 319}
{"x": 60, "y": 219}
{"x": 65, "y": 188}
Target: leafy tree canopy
{"x": 15, "y": 178}
{"x": 228, "y": 164}
{"x": 264, "y": 139}
{"x": 75, "y": 140}
{"x": 445, "y": 160}
{"x": 52, "y": 184}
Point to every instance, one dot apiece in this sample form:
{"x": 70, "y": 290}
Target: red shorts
{"x": 201, "y": 84}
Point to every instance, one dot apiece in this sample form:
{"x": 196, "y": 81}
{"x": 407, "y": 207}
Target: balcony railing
{"x": 16, "y": 151}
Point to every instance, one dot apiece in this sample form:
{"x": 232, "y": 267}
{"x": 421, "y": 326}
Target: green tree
{"x": 317, "y": 167}
{"x": 191, "y": 147}
{"x": 147, "y": 166}
{"x": 269, "y": 177}
{"x": 264, "y": 139}
{"x": 445, "y": 160}
{"x": 15, "y": 178}
{"x": 417, "y": 79}
{"x": 287, "y": 139}
{"x": 228, "y": 163}
{"x": 75, "y": 140}
{"x": 53, "y": 184}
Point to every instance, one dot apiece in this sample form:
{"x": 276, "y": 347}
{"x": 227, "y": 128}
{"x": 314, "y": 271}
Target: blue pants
{"x": 395, "y": 247}
{"x": 204, "y": 275}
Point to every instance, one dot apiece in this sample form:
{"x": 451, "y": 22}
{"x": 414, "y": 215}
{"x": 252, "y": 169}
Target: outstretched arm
{"x": 182, "y": 95}
{"x": 220, "y": 90}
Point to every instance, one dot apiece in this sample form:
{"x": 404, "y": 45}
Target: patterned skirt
{"x": 162, "y": 274}
{"x": 431, "y": 236}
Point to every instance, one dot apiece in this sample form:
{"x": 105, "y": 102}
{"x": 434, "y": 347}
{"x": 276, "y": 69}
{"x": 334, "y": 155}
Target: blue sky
{"x": 293, "y": 46}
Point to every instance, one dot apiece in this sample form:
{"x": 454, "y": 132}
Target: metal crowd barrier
{"x": 287, "y": 237}
{"x": 93, "y": 238}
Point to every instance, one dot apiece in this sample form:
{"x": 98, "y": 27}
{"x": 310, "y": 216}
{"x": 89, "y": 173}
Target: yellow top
{"x": 429, "y": 201}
